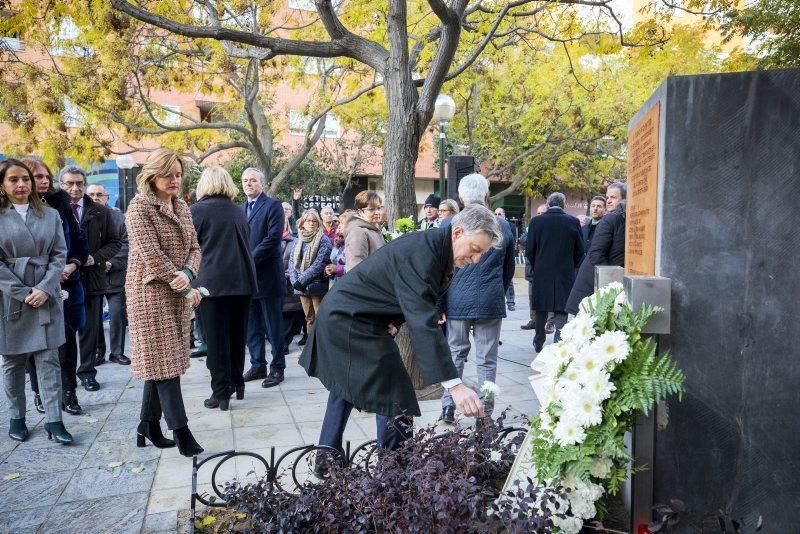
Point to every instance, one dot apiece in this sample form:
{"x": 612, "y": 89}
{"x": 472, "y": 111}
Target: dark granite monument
{"x": 727, "y": 232}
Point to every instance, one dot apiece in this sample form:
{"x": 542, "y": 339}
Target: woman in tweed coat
{"x": 163, "y": 259}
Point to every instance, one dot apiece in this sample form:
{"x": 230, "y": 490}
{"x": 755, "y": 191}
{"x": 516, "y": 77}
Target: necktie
{"x": 75, "y": 212}
{"x": 250, "y": 207}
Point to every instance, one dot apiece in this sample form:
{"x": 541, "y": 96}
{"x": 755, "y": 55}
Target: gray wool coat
{"x": 32, "y": 254}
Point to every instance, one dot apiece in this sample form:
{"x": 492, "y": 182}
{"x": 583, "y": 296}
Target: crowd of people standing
{"x": 250, "y": 273}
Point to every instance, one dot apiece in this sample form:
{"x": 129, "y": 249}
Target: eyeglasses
{"x": 371, "y": 210}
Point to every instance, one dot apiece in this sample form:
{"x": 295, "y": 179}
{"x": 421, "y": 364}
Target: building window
{"x": 11, "y": 42}
{"x": 306, "y": 5}
{"x": 169, "y": 115}
{"x": 298, "y": 123}
{"x": 65, "y": 33}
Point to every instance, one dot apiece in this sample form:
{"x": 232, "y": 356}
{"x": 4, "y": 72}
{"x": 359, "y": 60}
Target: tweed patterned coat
{"x": 160, "y": 243}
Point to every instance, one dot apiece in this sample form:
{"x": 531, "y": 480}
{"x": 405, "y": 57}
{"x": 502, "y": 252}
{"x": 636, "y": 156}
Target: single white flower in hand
{"x": 64, "y": 294}
{"x": 490, "y": 389}
{"x": 203, "y": 291}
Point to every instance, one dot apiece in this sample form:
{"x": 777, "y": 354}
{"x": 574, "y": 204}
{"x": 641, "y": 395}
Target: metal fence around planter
{"x": 361, "y": 455}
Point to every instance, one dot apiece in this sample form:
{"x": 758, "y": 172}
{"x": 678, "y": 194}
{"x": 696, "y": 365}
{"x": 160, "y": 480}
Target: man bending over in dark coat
{"x": 351, "y": 349}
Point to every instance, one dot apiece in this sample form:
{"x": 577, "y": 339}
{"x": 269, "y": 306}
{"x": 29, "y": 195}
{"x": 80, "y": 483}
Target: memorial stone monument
{"x": 713, "y": 204}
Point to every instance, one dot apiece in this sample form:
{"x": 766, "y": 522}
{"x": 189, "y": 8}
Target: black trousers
{"x": 88, "y": 345}
{"x": 164, "y": 396}
{"x": 541, "y": 319}
{"x": 224, "y": 323}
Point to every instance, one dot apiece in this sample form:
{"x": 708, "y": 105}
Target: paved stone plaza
{"x": 104, "y": 483}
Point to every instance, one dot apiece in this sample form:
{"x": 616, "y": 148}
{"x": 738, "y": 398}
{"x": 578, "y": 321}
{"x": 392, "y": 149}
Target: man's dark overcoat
{"x": 349, "y": 348}
{"x": 554, "y": 250}
{"x": 608, "y": 248}
{"x": 104, "y": 241}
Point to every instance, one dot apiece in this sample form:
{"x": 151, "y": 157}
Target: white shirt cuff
{"x": 447, "y": 384}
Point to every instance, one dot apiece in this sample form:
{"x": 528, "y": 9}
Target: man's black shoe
{"x": 200, "y": 351}
{"x": 120, "y": 359}
{"x": 530, "y": 325}
{"x": 274, "y": 378}
{"x": 70, "y": 403}
{"x": 90, "y": 384}
{"x": 449, "y": 415}
{"x": 511, "y": 307}
{"x": 255, "y": 373}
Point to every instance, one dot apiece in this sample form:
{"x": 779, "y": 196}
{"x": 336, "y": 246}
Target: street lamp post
{"x": 443, "y": 112}
{"x": 125, "y": 163}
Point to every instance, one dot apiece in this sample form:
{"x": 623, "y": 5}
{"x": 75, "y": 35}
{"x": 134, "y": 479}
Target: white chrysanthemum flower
{"x": 546, "y": 422}
{"x": 568, "y": 432}
{"x": 64, "y": 294}
{"x": 613, "y": 286}
{"x": 490, "y": 389}
{"x": 599, "y": 386}
{"x": 579, "y": 331}
{"x": 203, "y": 291}
{"x": 611, "y": 346}
{"x": 601, "y": 467}
{"x": 571, "y": 482}
{"x": 567, "y": 525}
{"x": 582, "y": 507}
{"x": 495, "y": 456}
{"x": 566, "y": 390}
{"x": 585, "y": 409}
{"x": 588, "y": 364}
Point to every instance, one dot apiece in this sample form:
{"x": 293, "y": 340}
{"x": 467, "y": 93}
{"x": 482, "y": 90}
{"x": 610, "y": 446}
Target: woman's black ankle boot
{"x": 152, "y": 431}
{"x": 57, "y": 432}
{"x": 187, "y": 445}
{"x": 17, "y": 430}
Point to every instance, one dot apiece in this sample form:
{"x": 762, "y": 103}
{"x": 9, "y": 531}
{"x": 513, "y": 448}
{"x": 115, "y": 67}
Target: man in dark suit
{"x": 554, "y": 249}
{"x": 104, "y": 243}
{"x": 608, "y": 246}
{"x": 351, "y": 349}
{"x": 597, "y": 208}
{"x": 115, "y": 268}
{"x": 266, "y": 218}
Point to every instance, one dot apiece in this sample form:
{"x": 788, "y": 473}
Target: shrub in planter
{"x": 442, "y": 483}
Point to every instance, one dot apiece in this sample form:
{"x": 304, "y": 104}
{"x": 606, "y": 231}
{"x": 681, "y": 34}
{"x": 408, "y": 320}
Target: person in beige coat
{"x": 362, "y": 236}
{"x": 163, "y": 259}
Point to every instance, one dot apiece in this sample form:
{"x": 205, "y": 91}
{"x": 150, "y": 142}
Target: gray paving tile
{"x": 104, "y": 452}
{"x": 32, "y": 489}
{"x": 161, "y": 522}
{"x": 27, "y": 520}
{"x": 45, "y": 459}
{"x": 111, "y": 514}
{"x": 97, "y": 482}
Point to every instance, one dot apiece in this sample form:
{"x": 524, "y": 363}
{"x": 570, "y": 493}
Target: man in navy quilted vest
{"x": 475, "y": 300}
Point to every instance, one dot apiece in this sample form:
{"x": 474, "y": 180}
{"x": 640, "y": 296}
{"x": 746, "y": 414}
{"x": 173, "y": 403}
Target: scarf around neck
{"x": 303, "y": 261}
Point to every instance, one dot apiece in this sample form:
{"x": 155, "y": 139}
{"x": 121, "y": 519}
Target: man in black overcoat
{"x": 554, "y": 250}
{"x": 608, "y": 246}
{"x": 351, "y": 349}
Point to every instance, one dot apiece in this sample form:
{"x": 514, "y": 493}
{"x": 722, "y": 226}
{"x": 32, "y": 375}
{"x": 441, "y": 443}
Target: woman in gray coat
{"x": 32, "y": 258}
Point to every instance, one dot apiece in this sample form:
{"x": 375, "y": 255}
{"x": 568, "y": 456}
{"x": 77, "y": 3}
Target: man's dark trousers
{"x": 541, "y": 318}
{"x": 392, "y": 431}
{"x": 266, "y": 319}
{"x": 88, "y": 335}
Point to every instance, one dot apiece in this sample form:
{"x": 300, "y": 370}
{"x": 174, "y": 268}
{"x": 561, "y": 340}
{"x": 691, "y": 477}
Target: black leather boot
{"x": 70, "y": 403}
{"x": 187, "y": 445}
{"x": 37, "y": 403}
{"x": 239, "y": 392}
{"x": 213, "y": 403}
{"x": 152, "y": 431}
{"x": 17, "y": 430}
{"x": 57, "y": 432}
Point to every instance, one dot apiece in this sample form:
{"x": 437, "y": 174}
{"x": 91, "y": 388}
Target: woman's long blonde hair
{"x": 159, "y": 163}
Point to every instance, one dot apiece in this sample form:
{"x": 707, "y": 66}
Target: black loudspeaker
{"x": 457, "y": 168}
{"x": 127, "y": 187}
